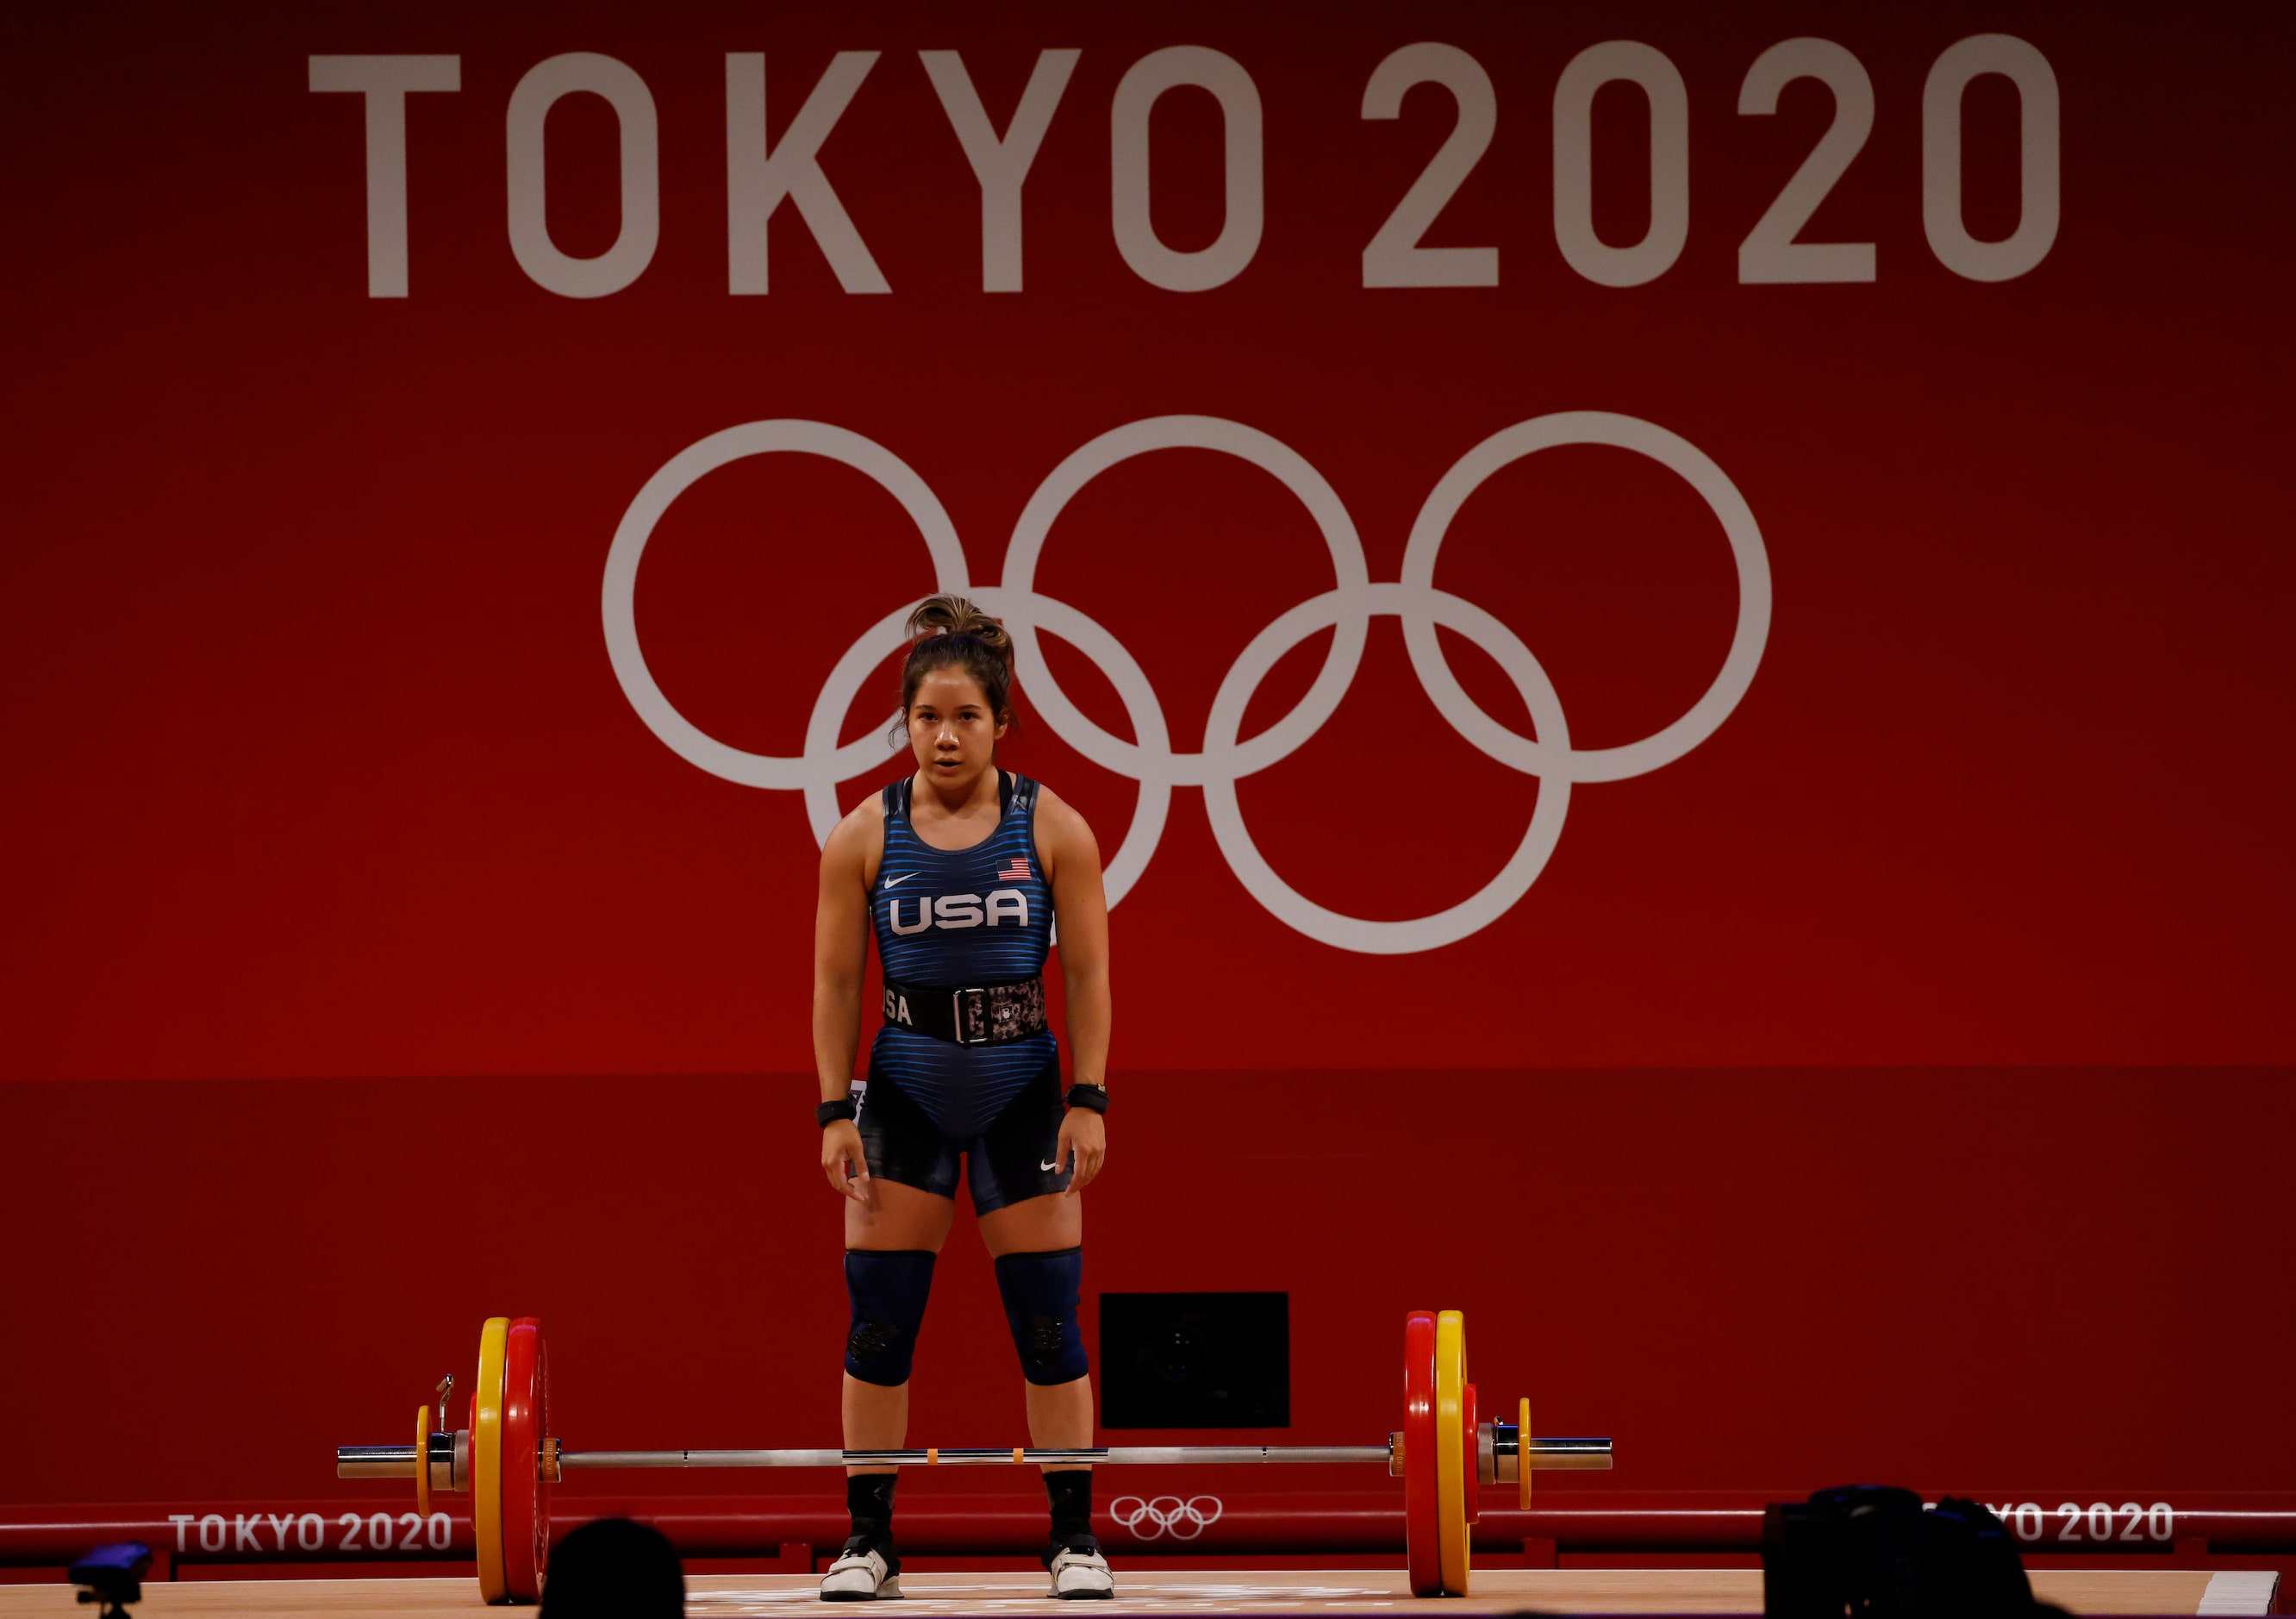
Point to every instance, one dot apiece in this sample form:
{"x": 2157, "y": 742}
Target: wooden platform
{"x": 1341, "y": 1592}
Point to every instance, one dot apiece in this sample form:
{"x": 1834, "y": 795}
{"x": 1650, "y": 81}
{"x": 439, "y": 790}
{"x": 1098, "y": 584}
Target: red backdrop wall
{"x": 333, "y": 824}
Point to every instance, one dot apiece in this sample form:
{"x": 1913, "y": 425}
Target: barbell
{"x": 507, "y": 1457}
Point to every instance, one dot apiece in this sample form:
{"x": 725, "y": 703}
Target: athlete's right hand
{"x": 840, "y": 1144}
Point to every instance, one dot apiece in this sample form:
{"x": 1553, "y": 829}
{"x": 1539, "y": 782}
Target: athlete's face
{"x": 951, "y": 729}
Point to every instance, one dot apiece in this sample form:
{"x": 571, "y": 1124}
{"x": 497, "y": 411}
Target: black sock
{"x": 869, "y": 1497}
{"x": 1070, "y": 1494}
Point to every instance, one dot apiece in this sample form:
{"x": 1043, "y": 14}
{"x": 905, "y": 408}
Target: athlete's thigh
{"x": 899, "y": 1217}
{"x": 912, "y": 1173}
{"x": 1016, "y": 1159}
{"x": 1035, "y": 1225}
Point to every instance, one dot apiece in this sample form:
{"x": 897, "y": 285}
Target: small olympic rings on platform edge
{"x": 1183, "y": 1520}
{"x": 1347, "y": 609}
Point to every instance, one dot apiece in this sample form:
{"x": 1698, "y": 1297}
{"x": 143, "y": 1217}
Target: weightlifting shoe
{"x": 863, "y": 1573}
{"x": 1079, "y": 1570}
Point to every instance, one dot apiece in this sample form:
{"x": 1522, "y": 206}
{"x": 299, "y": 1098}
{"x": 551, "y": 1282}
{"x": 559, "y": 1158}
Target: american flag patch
{"x": 1016, "y": 870}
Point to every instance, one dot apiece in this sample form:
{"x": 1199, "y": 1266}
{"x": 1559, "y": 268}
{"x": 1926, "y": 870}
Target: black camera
{"x": 113, "y": 1575}
{"x": 1879, "y": 1553}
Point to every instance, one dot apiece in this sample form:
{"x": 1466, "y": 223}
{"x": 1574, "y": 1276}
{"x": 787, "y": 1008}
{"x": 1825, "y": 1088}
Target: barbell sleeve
{"x": 1570, "y": 1455}
{"x": 375, "y": 1461}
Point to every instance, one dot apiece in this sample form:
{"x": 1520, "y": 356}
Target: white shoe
{"x": 1081, "y": 1571}
{"x": 861, "y": 1574}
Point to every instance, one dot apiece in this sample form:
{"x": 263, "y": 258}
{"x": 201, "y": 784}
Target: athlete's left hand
{"x": 1084, "y": 1146}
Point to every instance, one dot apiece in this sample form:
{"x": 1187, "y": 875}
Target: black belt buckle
{"x": 971, "y": 1018}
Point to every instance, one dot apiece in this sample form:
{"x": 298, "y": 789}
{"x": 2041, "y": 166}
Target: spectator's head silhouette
{"x": 614, "y": 1569}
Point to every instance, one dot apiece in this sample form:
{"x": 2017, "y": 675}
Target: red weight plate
{"x": 525, "y": 1494}
{"x": 1471, "y": 1447}
{"x": 1422, "y": 1513}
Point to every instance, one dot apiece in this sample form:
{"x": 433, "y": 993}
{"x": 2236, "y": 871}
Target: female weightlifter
{"x": 960, "y": 870}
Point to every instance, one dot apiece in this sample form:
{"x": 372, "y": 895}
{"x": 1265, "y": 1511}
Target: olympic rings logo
{"x": 1347, "y": 609}
{"x": 1183, "y": 1520}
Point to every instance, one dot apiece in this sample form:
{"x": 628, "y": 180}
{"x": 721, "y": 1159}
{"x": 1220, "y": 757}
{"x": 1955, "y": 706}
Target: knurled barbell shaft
{"x": 1545, "y": 1455}
{"x": 1038, "y": 1455}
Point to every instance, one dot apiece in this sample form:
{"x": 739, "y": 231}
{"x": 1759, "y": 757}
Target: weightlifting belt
{"x": 975, "y": 1014}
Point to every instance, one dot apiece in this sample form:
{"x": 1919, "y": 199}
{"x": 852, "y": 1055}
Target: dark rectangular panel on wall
{"x": 1196, "y": 1360}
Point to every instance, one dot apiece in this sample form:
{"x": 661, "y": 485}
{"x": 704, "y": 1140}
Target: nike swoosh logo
{"x": 1054, "y": 1164}
{"x": 897, "y": 881}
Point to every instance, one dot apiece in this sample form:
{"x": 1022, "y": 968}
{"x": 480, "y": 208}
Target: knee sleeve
{"x": 1040, "y": 1306}
{"x": 889, "y": 1290}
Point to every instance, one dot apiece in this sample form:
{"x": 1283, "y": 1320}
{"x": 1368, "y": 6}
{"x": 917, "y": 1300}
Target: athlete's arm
{"x": 841, "y": 948}
{"x": 1072, "y": 859}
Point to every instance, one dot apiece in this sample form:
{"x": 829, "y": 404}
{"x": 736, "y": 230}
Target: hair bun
{"x": 954, "y": 615}
{"x": 952, "y": 633}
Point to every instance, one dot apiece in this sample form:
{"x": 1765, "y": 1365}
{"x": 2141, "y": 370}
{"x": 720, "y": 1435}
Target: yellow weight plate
{"x": 1451, "y": 1461}
{"x": 1522, "y": 1454}
{"x": 485, "y": 1458}
{"x": 422, "y": 1461}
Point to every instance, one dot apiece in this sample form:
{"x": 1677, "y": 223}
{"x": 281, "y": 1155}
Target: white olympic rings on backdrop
{"x": 1183, "y": 1520}
{"x": 1347, "y": 609}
